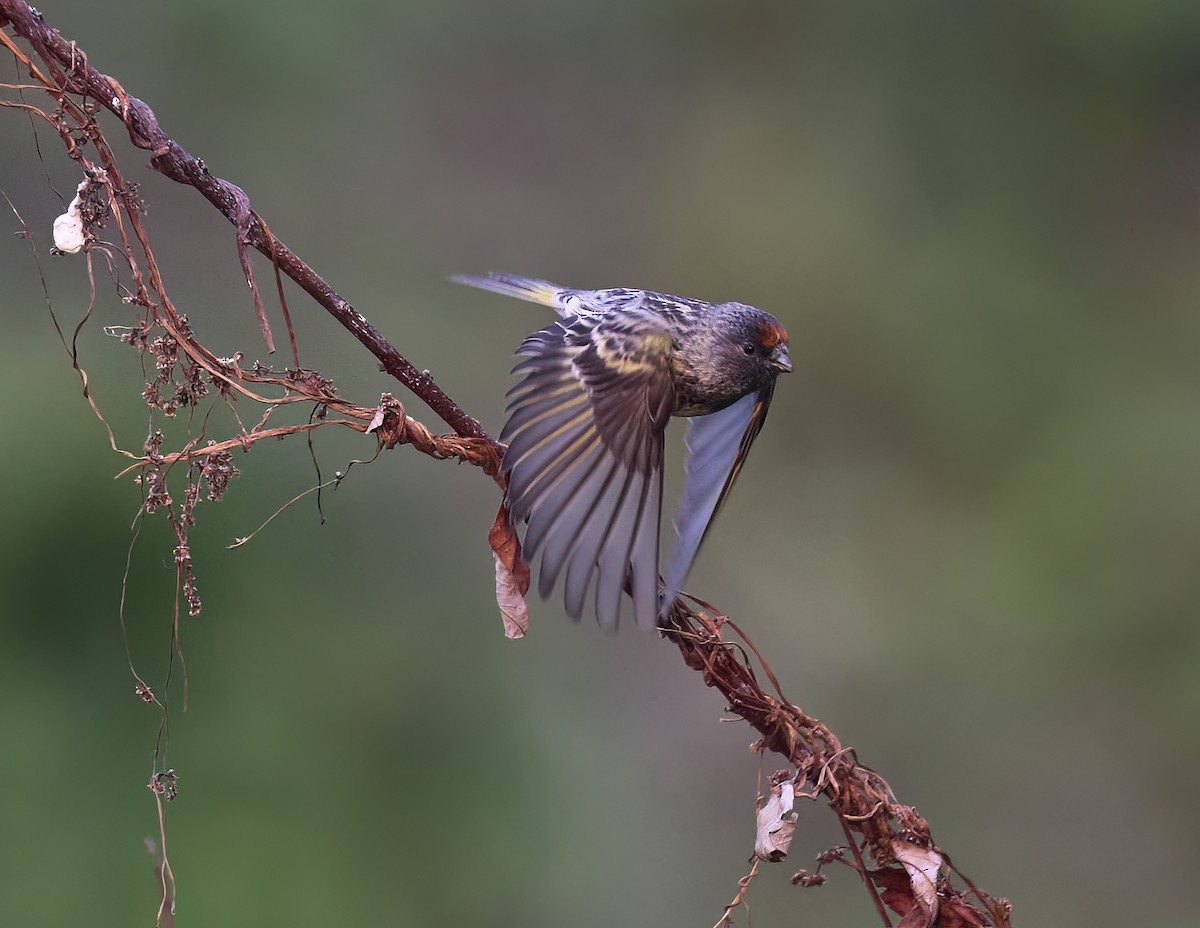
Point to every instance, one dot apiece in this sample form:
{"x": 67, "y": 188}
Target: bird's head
{"x": 739, "y": 349}
{"x": 757, "y": 344}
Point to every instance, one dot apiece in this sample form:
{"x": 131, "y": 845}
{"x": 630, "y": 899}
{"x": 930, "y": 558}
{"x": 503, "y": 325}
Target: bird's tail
{"x": 523, "y": 288}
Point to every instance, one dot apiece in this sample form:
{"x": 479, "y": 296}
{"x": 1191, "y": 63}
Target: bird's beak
{"x": 780, "y": 359}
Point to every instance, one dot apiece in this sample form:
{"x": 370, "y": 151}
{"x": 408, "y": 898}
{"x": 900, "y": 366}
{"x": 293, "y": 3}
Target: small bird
{"x": 586, "y": 427}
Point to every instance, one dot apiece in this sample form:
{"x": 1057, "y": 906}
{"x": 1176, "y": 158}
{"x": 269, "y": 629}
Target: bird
{"x": 586, "y": 428}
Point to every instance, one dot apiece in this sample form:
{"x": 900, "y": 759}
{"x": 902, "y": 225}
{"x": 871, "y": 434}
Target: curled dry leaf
{"x": 776, "y": 823}
{"x": 88, "y": 211}
{"x": 377, "y": 419}
{"x": 512, "y": 575}
{"x": 388, "y": 421}
{"x": 956, "y": 912}
{"x": 69, "y": 236}
{"x": 916, "y": 899}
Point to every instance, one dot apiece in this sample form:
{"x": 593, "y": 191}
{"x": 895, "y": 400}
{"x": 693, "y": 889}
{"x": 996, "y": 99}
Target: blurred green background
{"x": 968, "y": 539}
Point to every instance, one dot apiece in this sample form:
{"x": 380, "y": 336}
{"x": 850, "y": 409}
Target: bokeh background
{"x": 968, "y": 539}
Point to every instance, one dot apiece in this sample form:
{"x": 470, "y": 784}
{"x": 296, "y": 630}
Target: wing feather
{"x": 717, "y": 446}
{"x": 584, "y": 459}
{"x": 644, "y": 555}
{"x": 569, "y": 528}
{"x": 596, "y": 531}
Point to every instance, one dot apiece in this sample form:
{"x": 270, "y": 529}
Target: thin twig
{"x": 863, "y": 801}
{"x": 174, "y": 161}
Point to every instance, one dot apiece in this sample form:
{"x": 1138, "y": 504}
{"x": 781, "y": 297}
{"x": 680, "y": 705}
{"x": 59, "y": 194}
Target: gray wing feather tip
{"x": 715, "y": 444}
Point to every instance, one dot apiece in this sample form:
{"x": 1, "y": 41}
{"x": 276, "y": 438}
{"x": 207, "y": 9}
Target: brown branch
{"x": 863, "y": 801}
{"x": 394, "y": 427}
{"x": 895, "y": 837}
{"x": 174, "y": 161}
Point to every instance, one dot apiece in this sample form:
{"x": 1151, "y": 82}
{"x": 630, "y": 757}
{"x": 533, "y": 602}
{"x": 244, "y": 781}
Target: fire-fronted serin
{"x": 586, "y": 429}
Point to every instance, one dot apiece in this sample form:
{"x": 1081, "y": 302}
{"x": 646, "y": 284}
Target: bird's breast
{"x": 697, "y": 398}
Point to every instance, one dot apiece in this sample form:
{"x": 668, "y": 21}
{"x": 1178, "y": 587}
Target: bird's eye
{"x": 748, "y": 349}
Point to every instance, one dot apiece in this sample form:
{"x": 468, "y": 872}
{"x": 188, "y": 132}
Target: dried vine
{"x": 889, "y": 844}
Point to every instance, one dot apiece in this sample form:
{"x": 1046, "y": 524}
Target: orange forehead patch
{"x": 772, "y": 334}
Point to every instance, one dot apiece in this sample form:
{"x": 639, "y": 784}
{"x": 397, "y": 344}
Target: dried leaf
{"x": 956, "y": 912}
{"x": 387, "y": 403}
{"x": 922, "y": 865}
{"x": 512, "y": 575}
{"x": 69, "y": 236}
{"x": 776, "y": 823}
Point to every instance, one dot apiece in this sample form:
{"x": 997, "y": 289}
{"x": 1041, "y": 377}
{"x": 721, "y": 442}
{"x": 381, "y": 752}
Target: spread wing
{"x": 584, "y": 459}
{"x": 717, "y": 446}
